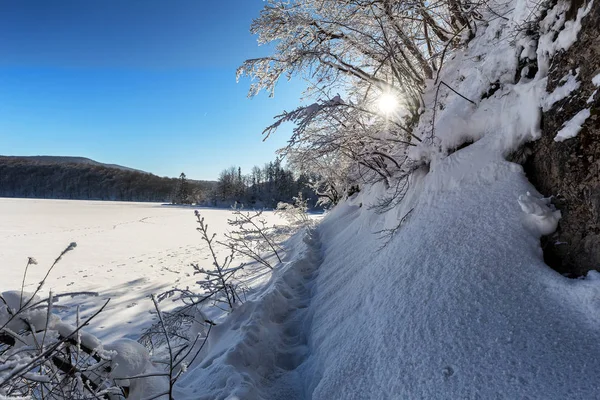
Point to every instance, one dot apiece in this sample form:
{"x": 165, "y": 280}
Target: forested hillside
{"x": 80, "y": 178}
{"x": 52, "y": 179}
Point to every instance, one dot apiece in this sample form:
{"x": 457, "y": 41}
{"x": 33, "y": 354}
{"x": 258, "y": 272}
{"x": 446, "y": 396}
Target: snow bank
{"x": 458, "y": 305}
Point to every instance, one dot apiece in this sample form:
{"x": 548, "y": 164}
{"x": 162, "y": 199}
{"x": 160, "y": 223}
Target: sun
{"x": 387, "y": 103}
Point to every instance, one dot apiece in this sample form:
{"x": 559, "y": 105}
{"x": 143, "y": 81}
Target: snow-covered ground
{"x": 459, "y": 304}
{"x": 125, "y": 252}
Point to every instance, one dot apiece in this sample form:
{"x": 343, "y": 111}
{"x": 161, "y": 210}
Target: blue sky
{"x": 143, "y": 83}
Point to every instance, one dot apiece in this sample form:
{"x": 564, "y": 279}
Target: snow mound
{"x": 129, "y": 358}
{"x": 131, "y": 367}
{"x": 459, "y": 304}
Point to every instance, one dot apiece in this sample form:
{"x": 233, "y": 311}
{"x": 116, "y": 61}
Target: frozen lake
{"x": 125, "y": 251}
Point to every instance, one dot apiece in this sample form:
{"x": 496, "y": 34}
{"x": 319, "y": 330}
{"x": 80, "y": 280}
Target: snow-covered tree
{"x": 378, "y": 53}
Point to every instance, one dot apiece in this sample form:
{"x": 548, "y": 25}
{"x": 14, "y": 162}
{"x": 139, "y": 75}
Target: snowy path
{"x": 269, "y": 336}
{"x": 295, "y": 324}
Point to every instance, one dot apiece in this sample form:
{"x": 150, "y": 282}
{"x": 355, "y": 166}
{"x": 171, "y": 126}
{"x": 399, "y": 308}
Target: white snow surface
{"x": 459, "y": 304}
{"x": 130, "y": 359}
{"x": 125, "y": 252}
{"x": 572, "y": 127}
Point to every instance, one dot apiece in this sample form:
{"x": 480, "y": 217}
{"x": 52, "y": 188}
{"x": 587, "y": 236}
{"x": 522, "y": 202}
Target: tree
{"x": 368, "y": 50}
{"x": 182, "y": 192}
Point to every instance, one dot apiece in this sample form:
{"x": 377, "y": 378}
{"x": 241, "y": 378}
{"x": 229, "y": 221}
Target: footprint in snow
{"x": 448, "y": 372}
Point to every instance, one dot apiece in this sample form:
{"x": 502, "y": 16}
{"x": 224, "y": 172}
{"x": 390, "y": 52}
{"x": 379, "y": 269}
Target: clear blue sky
{"x": 143, "y": 83}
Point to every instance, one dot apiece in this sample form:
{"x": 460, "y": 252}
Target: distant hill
{"x": 53, "y": 177}
{"x": 69, "y": 160}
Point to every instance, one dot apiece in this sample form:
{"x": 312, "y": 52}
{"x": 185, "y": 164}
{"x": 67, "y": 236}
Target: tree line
{"x": 47, "y": 179}
{"x": 261, "y": 187}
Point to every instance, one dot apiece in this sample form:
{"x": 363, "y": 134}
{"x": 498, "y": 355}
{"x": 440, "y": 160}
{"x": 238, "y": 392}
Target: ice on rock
{"x": 540, "y": 214}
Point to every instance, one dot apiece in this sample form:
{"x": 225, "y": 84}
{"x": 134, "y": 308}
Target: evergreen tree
{"x": 182, "y": 194}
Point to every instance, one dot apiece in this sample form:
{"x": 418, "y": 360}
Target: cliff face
{"x": 570, "y": 170}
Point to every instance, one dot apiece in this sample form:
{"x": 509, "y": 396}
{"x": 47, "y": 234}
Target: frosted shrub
{"x": 251, "y": 236}
{"x": 296, "y": 214}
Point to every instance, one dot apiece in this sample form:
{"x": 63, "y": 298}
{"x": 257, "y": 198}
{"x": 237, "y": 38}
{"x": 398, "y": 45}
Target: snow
{"x": 459, "y": 303}
{"x": 125, "y": 252}
{"x": 596, "y": 80}
{"x": 493, "y": 56}
{"x": 570, "y": 84}
{"x": 249, "y": 354}
{"x": 130, "y": 365}
{"x": 572, "y": 127}
{"x": 541, "y": 215}
{"x": 129, "y": 358}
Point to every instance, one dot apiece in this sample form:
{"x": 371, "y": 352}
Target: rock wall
{"x": 570, "y": 170}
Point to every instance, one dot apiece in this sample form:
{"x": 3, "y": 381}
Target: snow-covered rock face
{"x": 514, "y": 78}
{"x": 507, "y": 104}
{"x": 564, "y": 163}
